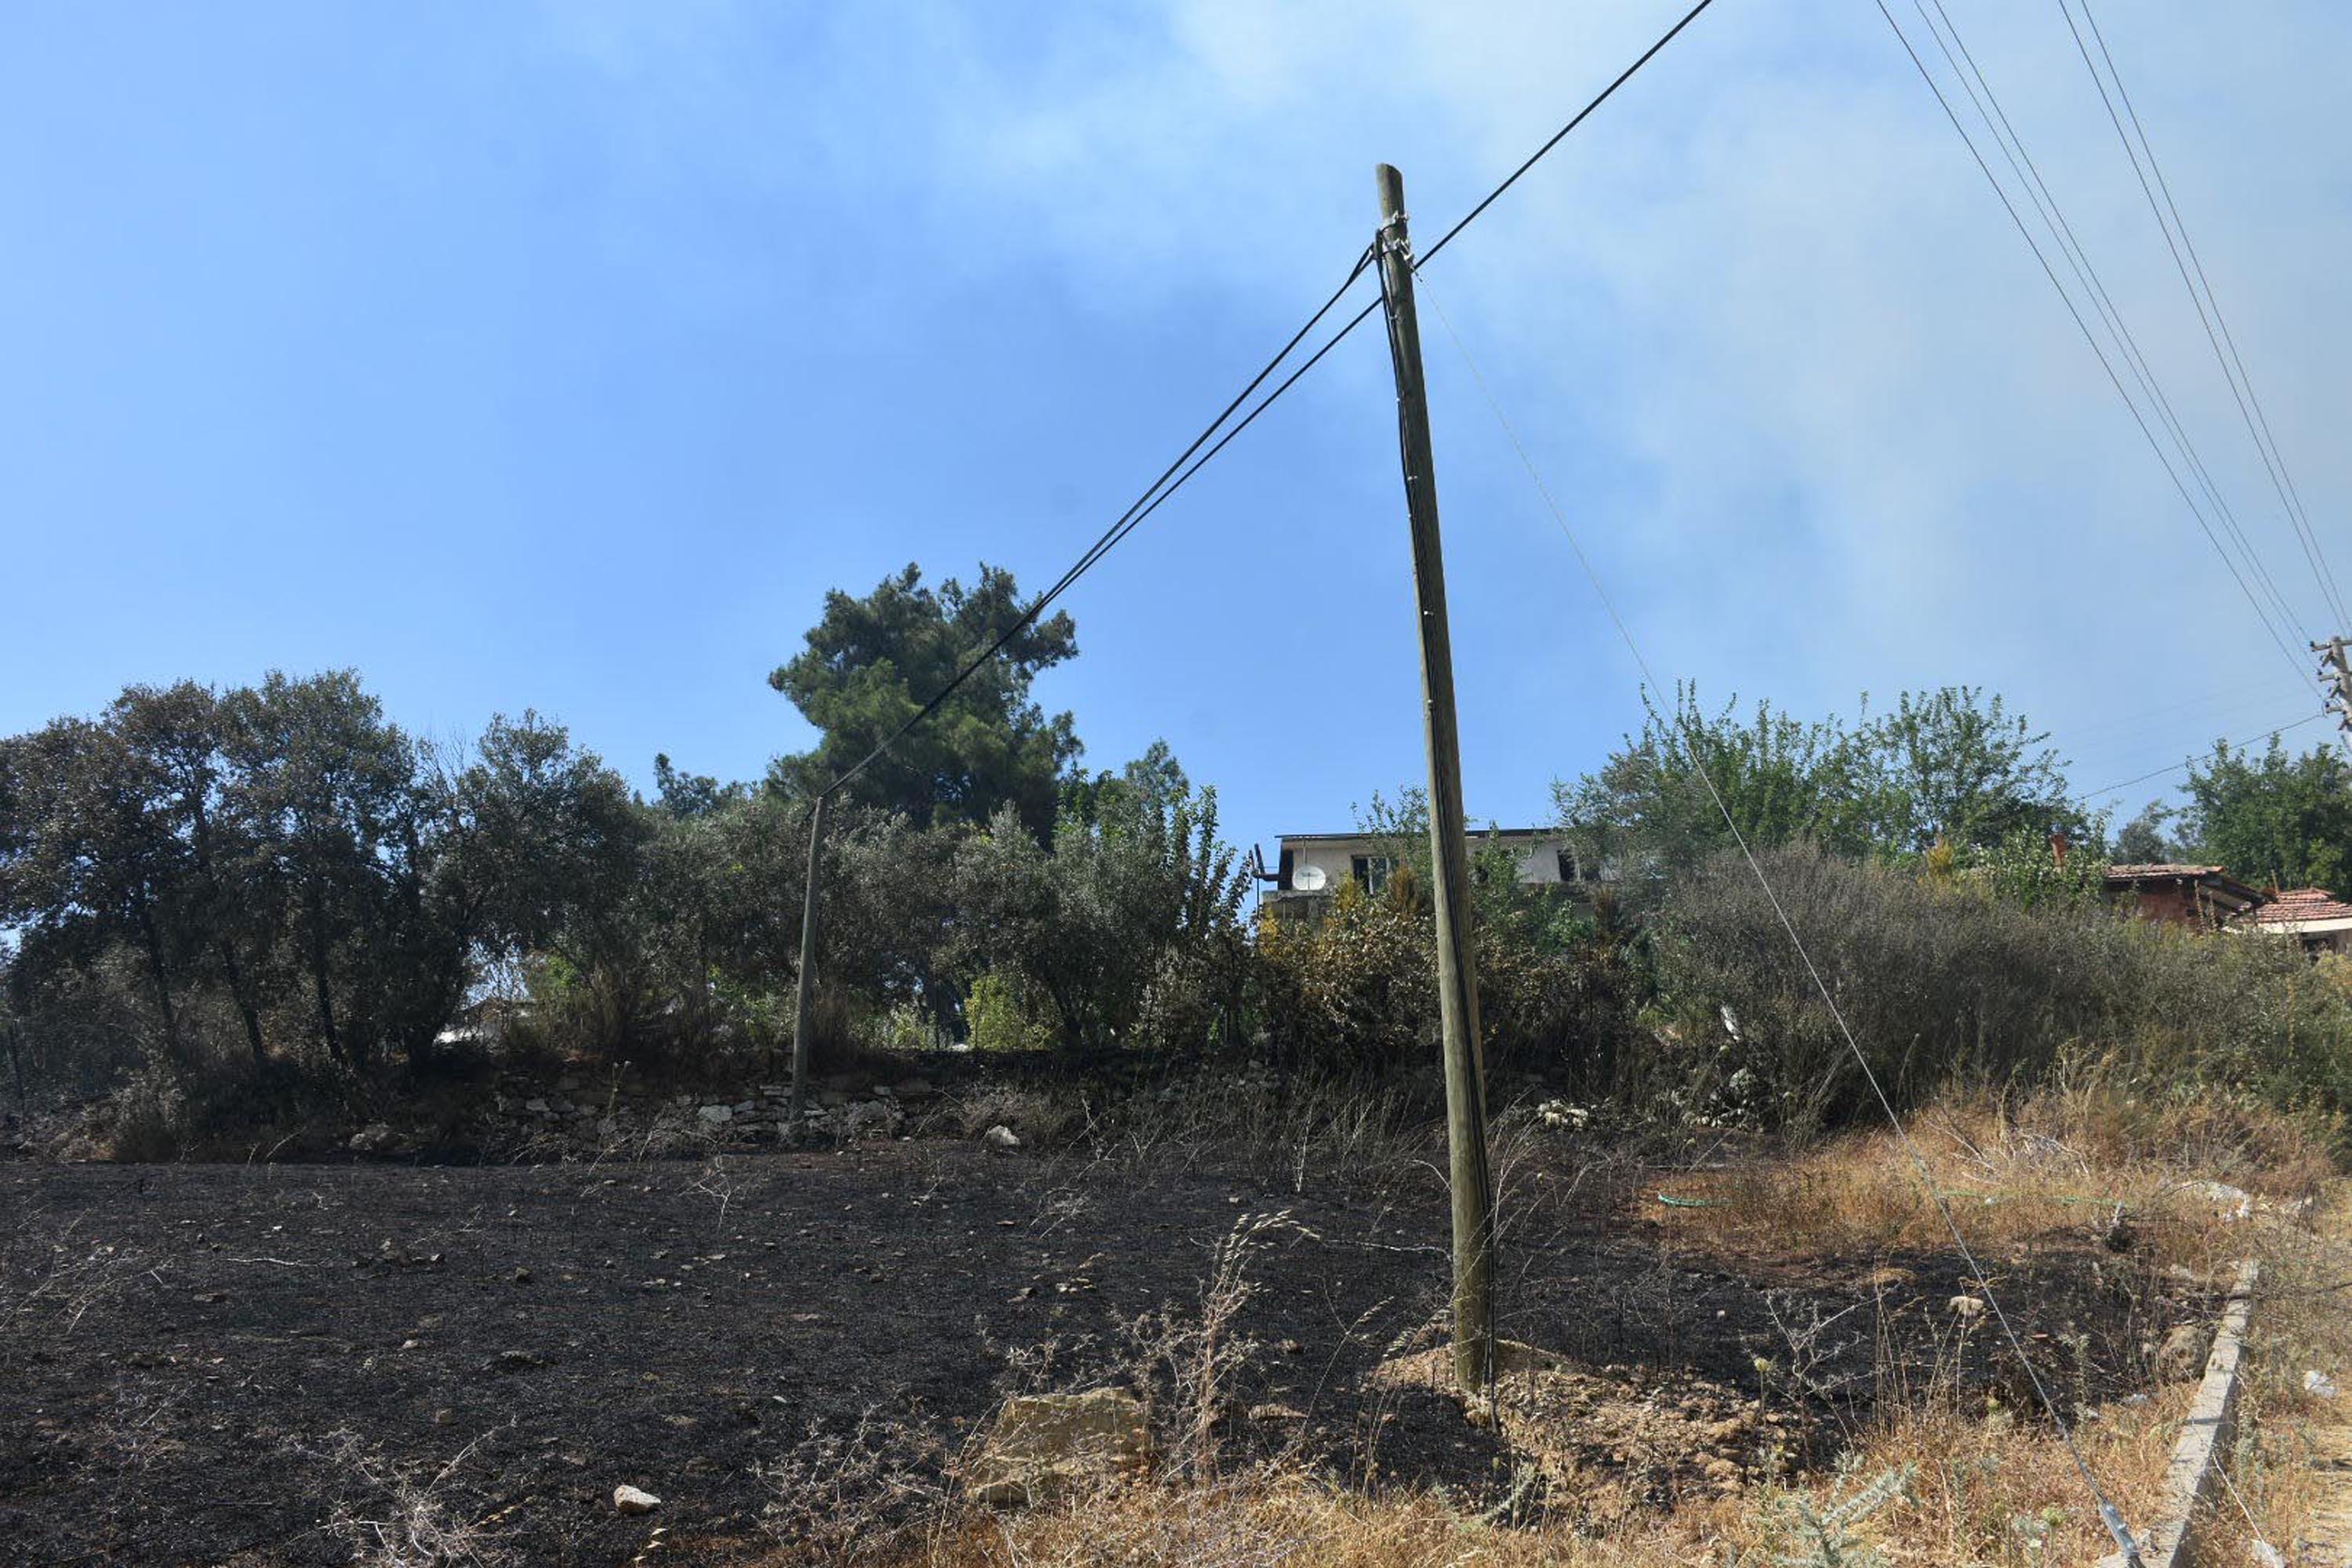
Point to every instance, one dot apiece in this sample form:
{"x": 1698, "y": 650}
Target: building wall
{"x": 2169, "y": 905}
{"x": 1538, "y": 860}
{"x": 1535, "y": 861}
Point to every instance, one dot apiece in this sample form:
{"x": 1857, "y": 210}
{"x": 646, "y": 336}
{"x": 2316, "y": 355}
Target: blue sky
{"x": 563, "y": 355}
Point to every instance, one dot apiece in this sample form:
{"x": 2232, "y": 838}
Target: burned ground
{"x": 207, "y": 1364}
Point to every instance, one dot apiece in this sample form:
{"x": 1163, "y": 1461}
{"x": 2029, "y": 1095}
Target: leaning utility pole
{"x": 804, "y": 988}
{"x": 1457, "y": 977}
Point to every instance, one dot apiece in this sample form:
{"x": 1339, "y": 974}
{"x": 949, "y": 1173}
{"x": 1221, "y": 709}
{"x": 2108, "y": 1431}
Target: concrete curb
{"x": 2189, "y": 1479}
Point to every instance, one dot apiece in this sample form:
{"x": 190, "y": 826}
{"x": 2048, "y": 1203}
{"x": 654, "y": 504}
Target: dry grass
{"x": 1979, "y": 1493}
{"x": 2064, "y": 1163}
{"x": 1942, "y": 1474}
{"x": 2292, "y": 1444}
{"x": 392, "y": 1515}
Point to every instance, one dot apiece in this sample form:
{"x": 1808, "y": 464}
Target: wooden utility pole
{"x": 1449, "y": 839}
{"x": 804, "y": 988}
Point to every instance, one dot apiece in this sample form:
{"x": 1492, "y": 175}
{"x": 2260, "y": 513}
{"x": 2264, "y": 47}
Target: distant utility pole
{"x": 2336, "y": 669}
{"x": 1457, "y": 976}
{"x": 805, "y": 989}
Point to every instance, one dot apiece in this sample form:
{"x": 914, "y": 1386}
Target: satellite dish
{"x": 1307, "y": 878}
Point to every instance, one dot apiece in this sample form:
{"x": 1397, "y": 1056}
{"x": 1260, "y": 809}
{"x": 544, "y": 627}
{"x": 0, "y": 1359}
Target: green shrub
{"x": 1943, "y": 982}
{"x": 1356, "y": 992}
{"x": 1002, "y": 1018}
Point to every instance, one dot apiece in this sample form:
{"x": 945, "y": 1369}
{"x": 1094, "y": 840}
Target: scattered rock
{"x": 1001, "y": 1137}
{"x": 2318, "y": 1384}
{"x": 515, "y": 1361}
{"x": 375, "y": 1138}
{"x": 1967, "y": 1308}
{"x": 717, "y": 1115}
{"x": 1044, "y": 1444}
{"x": 631, "y": 1499}
{"x": 401, "y": 1258}
{"x": 2181, "y": 1357}
{"x": 521, "y": 1276}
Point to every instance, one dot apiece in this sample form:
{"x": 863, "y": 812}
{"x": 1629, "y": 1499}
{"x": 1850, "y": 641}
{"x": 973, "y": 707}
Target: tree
{"x": 182, "y": 730}
{"x": 325, "y": 780}
{"x": 1130, "y": 922}
{"x": 2142, "y": 841}
{"x": 872, "y": 662}
{"x": 88, "y": 861}
{"x": 546, "y": 838}
{"x": 1943, "y": 766}
{"x": 1778, "y": 777}
{"x": 2273, "y": 818}
{"x": 1952, "y": 766}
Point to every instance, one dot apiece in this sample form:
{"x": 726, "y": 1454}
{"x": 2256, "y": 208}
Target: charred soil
{"x": 207, "y": 1364}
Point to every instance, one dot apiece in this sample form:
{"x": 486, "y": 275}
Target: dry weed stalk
{"x": 416, "y": 1528}
{"x": 867, "y": 1495}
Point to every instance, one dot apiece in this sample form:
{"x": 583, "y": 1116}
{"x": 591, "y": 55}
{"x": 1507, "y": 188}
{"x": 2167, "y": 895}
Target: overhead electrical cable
{"x": 2273, "y": 733}
{"x": 2223, "y": 342}
{"x": 2012, "y": 143}
{"x": 1158, "y": 490}
{"x": 1174, "y": 477}
{"x": 2097, "y": 349}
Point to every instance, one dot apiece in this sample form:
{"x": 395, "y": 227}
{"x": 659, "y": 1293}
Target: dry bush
{"x": 871, "y": 1494}
{"x": 1039, "y": 1117}
{"x": 1354, "y": 1134}
{"x": 1950, "y": 985}
{"x": 48, "y": 1283}
{"x": 1979, "y": 1491}
{"x": 2283, "y": 1473}
{"x": 395, "y": 1515}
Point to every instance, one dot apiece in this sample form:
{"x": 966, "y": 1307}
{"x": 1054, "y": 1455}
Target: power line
{"x": 2107, "y": 724}
{"x": 1142, "y": 507}
{"x": 2012, "y": 143}
{"x": 2097, "y": 349}
{"x": 2273, "y": 733}
{"x": 2257, "y": 422}
{"x": 1171, "y": 479}
{"x": 2109, "y": 1514}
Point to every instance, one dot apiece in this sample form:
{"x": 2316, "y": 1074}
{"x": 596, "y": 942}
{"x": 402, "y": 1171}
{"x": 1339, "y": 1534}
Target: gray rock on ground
{"x": 1045, "y": 1445}
{"x": 375, "y": 1138}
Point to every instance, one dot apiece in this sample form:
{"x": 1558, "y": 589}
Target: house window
{"x": 1572, "y": 869}
{"x": 1372, "y": 871}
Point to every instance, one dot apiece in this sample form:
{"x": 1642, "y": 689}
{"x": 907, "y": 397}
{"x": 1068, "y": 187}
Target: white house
{"x": 1311, "y": 868}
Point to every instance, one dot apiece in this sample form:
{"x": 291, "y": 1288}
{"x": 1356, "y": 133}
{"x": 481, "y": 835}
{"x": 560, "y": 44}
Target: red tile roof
{"x": 2303, "y": 905}
{"x": 2215, "y": 880}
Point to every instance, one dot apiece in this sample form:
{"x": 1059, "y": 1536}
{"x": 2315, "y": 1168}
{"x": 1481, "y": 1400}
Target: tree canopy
{"x": 2274, "y": 817}
{"x": 287, "y": 851}
{"x": 872, "y": 662}
{"x": 1949, "y": 766}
